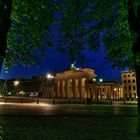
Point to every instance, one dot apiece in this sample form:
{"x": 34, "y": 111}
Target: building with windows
{"x": 129, "y": 85}
{"x": 82, "y": 84}
{"x": 108, "y": 90}
{"x": 76, "y": 83}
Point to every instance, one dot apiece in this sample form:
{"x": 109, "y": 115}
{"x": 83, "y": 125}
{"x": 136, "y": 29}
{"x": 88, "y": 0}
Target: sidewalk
{"x": 31, "y": 121}
{"x": 61, "y": 101}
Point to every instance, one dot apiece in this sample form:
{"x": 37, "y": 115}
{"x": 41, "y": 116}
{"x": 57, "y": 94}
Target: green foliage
{"x": 82, "y": 23}
{"x": 30, "y": 22}
{"x": 87, "y": 22}
{"x": 119, "y": 40}
{"x": 1, "y": 86}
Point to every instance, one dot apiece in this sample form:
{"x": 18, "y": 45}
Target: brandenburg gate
{"x": 73, "y": 83}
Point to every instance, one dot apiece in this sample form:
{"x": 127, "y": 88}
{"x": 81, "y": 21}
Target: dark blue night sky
{"x": 58, "y": 62}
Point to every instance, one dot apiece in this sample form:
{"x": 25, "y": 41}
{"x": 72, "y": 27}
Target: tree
{"x": 79, "y": 24}
{"x": 1, "y": 87}
{"x": 24, "y": 30}
{"x": 5, "y": 23}
{"x": 116, "y": 23}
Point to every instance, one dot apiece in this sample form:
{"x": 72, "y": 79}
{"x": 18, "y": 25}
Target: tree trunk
{"x": 137, "y": 68}
{"x": 138, "y": 86}
{"x": 5, "y": 24}
{"x": 134, "y": 22}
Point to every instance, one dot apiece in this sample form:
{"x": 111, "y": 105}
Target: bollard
{"x": 37, "y": 101}
{"x": 124, "y": 102}
{"x": 53, "y": 101}
{"x": 5, "y": 100}
{"x": 21, "y": 101}
{"x": 111, "y": 102}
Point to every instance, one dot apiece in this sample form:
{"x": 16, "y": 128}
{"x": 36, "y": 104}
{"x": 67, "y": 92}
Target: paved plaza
{"x": 43, "y": 121}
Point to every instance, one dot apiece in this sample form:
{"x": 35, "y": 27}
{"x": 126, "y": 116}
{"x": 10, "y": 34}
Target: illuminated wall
{"x": 129, "y": 85}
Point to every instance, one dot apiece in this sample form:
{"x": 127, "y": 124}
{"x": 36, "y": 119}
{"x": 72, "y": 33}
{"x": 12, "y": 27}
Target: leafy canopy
{"x": 26, "y": 38}
{"x": 80, "y": 24}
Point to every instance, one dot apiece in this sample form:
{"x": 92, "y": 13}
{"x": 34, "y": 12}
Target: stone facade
{"x": 129, "y": 84}
{"x": 73, "y": 83}
{"x": 105, "y": 91}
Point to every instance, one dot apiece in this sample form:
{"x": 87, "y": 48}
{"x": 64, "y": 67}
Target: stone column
{"x": 58, "y": 89}
{"x": 63, "y": 89}
{"x": 94, "y": 91}
{"x": 73, "y": 88}
{"x": 87, "y": 91}
{"x": 99, "y": 97}
{"x": 70, "y": 94}
{"x": 66, "y": 88}
{"x": 118, "y": 92}
{"x": 106, "y": 92}
{"x": 80, "y": 87}
{"x": 84, "y": 92}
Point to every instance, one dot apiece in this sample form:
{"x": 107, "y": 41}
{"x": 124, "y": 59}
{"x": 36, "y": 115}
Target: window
{"x": 128, "y": 75}
{"x": 125, "y": 95}
{"x": 129, "y": 81}
{"x": 125, "y": 88}
{"x": 124, "y": 81}
{"x": 129, "y": 87}
{"x": 124, "y": 75}
{"x": 130, "y": 95}
{"x": 133, "y": 81}
{"x": 134, "y": 88}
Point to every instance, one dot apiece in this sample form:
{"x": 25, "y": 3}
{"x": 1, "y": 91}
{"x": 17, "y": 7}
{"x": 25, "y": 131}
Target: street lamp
{"x": 94, "y": 80}
{"x": 115, "y": 89}
{"x": 100, "y": 80}
{"x": 16, "y": 82}
{"x": 50, "y": 76}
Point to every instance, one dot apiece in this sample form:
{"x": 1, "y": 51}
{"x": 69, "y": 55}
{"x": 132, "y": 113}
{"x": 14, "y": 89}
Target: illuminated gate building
{"x": 73, "y": 83}
{"x": 80, "y": 84}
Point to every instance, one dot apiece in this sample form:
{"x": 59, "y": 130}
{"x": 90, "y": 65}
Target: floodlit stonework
{"x": 129, "y": 85}
{"x": 73, "y": 83}
{"x": 109, "y": 90}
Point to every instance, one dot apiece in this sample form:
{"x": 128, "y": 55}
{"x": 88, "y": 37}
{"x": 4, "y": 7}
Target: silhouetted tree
{"x": 81, "y": 24}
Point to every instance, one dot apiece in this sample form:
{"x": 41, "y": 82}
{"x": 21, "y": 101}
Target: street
{"x": 33, "y": 121}
{"x": 67, "y": 109}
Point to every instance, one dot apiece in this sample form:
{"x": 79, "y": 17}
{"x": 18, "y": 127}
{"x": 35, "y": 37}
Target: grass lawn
{"x": 68, "y": 128}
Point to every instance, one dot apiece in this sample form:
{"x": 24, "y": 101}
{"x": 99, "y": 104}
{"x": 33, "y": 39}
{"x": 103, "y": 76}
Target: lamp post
{"x": 100, "y": 80}
{"x": 50, "y": 76}
{"x": 16, "y": 83}
{"x": 115, "y": 89}
{"x": 94, "y": 79}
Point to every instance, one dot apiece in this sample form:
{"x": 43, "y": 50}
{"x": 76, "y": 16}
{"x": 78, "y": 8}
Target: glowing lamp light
{"x": 77, "y": 68}
{"x": 115, "y": 89}
{"x": 50, "y": 76}
{"x": 16, "y": 83}
{"x": 100, "y": 80}
{"x": 94, "y": 80}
